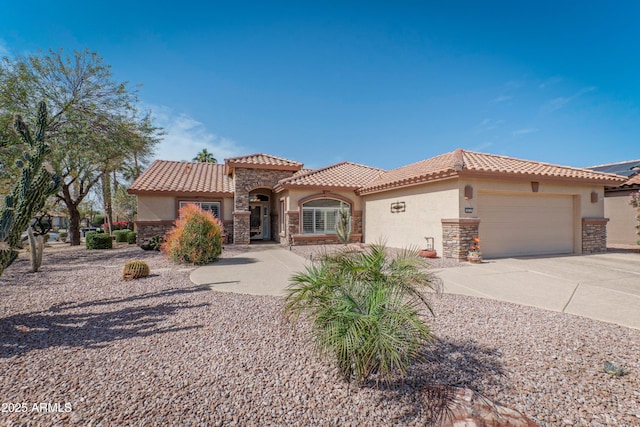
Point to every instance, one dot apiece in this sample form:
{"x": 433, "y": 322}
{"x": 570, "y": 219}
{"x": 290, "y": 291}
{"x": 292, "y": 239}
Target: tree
{"x": 364, "y": 309}
{"x": 94, "y": 126}
{"x": 29, "y": 193}
{"x": 205, "y": 156}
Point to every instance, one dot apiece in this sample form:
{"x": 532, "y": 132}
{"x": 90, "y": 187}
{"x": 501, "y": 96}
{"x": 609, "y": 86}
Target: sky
{"x": 378, "y": 83}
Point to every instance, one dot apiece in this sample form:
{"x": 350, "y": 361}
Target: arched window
{"x": 320, "y": 216}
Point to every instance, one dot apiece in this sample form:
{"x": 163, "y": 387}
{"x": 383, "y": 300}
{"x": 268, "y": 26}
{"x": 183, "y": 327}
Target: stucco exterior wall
{"x": 585, "y": 208}
{"x": 621, "y": 228}
{"x": 425, "y": 206}
{"x": 294, "y": 197}
{"x": 156, "y": 208}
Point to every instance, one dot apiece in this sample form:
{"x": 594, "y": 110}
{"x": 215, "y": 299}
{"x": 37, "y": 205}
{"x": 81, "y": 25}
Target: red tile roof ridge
{"x": 536, "y": 162}
{"x": 247, "y": 156}
{"x": 333, "y": 166}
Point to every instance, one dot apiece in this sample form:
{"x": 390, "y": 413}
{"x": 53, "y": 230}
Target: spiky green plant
{"x": 365, "y": 309}
{"x": 37, "y": 182}
{"x": 343, "y": 225}
{"x": 36, "y": 249}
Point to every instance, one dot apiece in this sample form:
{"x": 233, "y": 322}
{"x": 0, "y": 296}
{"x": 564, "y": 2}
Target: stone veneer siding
{"x": 292, "y": 226}
{"x": 147, "y": 229}
{"x": 594, "y": 235}
{"x": 246, "y": 180}
{"x": 457, "y": 236}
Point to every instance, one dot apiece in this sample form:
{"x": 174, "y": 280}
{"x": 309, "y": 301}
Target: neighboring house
{"x": 516, "y": 207}
{"x": 622, "y": 216}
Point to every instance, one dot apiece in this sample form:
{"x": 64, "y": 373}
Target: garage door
{"x": 525, "y": 224}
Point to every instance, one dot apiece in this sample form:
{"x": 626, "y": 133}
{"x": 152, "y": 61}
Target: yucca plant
{"x": 365, "y": 309}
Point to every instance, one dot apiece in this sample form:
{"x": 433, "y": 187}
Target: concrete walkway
{"x": 604, "y": 287}
{"x": 263, "y": 270}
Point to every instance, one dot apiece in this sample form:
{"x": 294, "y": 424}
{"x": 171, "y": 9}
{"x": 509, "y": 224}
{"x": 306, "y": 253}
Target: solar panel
{"x": 624, "y": 169}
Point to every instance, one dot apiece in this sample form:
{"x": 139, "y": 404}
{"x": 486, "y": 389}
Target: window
{"x": 213, "y": 207}
{"x": 321, "y": 215}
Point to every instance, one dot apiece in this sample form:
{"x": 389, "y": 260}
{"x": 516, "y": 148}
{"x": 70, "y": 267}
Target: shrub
{"x": 135, "y": 269}
{"x": 63, "y": 235}
{"x": 99, "y": 241}
{"x": 88, "y": 239}
{"x": 365, "y": 309}
{"x": 97, "y": 220}
{"x": 196, "y": 237}
{"x": 121, "y": 235}
{"x": 132, "y": 237}
{"x": 153, "y": 244}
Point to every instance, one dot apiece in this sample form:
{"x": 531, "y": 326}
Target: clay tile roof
{"x": 460, "y": 162}
{"x": 263, "y": 161}
{"x": 165, "y": 176}
{"x": 340, "y": 175}
{"x": 634, "y": 180}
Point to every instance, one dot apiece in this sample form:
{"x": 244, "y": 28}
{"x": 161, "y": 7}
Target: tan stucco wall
{"x": 425, "y": 206}
{"x": 294, "y": 197}
{"x": 156, "y": 208}
{"x": 163, "y": 208}
{"x": 621, "y": 228}
{"x": 585, "y": 209}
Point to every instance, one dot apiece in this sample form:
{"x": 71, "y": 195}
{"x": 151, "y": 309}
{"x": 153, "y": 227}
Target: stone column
{"x": 594, "y": 235}
{"x": 292, "y": 225}
{"x": 457, "y": 236}
{"x": 241, "y": 227}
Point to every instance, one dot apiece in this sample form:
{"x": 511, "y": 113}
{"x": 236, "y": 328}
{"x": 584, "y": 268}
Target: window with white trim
{"x": 213, "y": 207}
{"x": 320, "y": 216}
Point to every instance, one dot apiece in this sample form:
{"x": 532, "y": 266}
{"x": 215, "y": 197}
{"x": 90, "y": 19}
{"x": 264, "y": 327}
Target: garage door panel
{"x": 516, "y": 225}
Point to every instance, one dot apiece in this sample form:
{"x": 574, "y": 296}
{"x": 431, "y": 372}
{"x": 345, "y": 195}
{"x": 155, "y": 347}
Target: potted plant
{"x": 429, "y": 252}
{"x": 475, "y": 254}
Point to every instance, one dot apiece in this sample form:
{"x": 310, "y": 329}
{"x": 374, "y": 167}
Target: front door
{"x": 255, "y": 221}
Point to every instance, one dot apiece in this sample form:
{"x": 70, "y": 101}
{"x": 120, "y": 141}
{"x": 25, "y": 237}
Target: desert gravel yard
{"x": 161, "y": 351}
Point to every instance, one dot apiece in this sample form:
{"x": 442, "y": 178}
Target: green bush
{"x": 121, "y": 235}
{"x": 132, "y": 237}
{"x": 98, "y": 220}
{"x": 196, "y": 238}
{"x": 88, "y": 238}
{"x": 99, "y": 241}
{"x": 153, "y": 244}
{"x": 365, "y": 309}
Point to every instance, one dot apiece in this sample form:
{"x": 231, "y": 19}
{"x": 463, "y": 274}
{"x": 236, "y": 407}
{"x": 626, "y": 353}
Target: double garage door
{"x": 525, "y": 224}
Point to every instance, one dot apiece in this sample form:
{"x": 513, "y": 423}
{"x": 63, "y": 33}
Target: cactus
{"x": 343, "y": 225}
{"x": 36, "y": 183}
{"x": 135, "y": 269}
{"x": 36, "y": 248}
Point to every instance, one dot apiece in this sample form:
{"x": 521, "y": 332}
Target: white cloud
{"x": 502, "y": 98}
{"x": 186, "y": 136}
{"x": 557, "y": 103}
{"x": 489, "y": 124}
{"x": 549, "y": 82}
{"x": 525, "y": 131}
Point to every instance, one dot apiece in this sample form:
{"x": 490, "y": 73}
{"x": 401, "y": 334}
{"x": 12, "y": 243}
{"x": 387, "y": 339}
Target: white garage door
{"x": 525, "y": 224}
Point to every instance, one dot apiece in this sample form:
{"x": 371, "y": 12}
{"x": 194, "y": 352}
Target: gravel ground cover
{"x": 97, "y": 350}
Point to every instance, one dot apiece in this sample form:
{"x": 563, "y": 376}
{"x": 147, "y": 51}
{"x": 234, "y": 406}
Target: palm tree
{"x": 205, "y": 156}
{"x": 365, "y": 309}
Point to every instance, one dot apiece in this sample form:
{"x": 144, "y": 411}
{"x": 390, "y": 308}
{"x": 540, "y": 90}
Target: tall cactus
{"x": 37, "y": 182}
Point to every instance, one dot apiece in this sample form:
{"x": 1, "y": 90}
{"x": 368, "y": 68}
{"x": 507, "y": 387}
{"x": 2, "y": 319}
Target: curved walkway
{"x": 603, "y": 287}
{"x": 262, "y": 270}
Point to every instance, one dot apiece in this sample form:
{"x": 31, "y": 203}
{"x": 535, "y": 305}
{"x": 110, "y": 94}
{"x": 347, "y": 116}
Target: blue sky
{"x": 379, "y": 83}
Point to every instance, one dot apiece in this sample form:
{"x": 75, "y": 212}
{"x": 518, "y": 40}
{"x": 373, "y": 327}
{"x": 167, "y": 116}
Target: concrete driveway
{"x": 604, "y": 287}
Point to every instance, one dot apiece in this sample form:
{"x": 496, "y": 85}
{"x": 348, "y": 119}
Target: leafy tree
{"x": 94, "y": 128}
{"x": 205, "y": 156}
{"x": 365, "y": 309}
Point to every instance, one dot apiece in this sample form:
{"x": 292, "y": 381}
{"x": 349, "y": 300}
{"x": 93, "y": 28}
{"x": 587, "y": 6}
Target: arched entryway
{"x": 260, "y": 214}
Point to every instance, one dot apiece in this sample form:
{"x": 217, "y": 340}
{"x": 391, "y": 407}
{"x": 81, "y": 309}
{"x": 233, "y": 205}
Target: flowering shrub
{"x": 475, "y": 247}
{"x": 196, "y": 237}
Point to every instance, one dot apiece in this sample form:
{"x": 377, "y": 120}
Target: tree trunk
{"x": 74, "y": 225}
{"x": 106, "y": 197}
